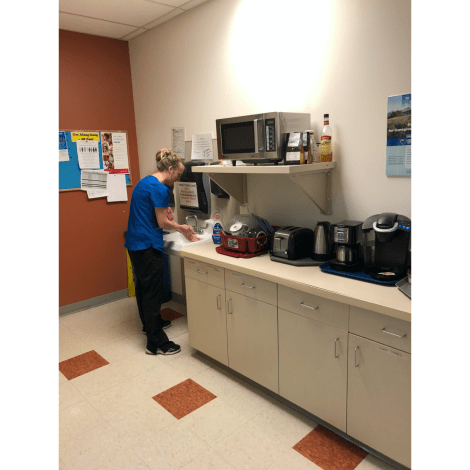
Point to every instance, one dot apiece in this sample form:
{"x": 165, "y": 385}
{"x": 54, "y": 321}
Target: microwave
{"x": 258, "y": 138}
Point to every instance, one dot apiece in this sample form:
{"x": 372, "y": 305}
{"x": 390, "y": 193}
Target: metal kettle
{"x": 322, "y": 242}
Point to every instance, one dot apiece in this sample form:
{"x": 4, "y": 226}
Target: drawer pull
{"x": 248, "y": 287}
{"x": 229, "y": 305}
{"x": 308, "y": 306}
{"x": 355, "y": 362}
{"x": 393, "y": 334}
{"x": 337, "y": 339}
{"x": 200, "y": 272}
{"x": 218, "y": 298}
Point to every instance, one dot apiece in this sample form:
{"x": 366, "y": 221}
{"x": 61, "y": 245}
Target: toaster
{"x": 292, "y": 242}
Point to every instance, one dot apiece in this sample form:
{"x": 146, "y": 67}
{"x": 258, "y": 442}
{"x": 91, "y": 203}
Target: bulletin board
{"x": 69, "y": 171}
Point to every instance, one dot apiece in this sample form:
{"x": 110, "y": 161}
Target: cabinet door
{"x": 313, "y": 367}
{"x": 207, "y": 321}
{"x": 252, "y": 339}
{"x": 379, "y": 398}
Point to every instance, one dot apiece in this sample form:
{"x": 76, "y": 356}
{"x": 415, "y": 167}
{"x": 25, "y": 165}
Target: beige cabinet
{"x": 207, "y": 318}
{"x": 252, "y": 339}
{"x": 313, "y": 367}
{"x": 379, "y": 397}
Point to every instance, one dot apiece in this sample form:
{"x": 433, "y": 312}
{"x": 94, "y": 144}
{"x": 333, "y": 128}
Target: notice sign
{"x": 399, "y": 135}
{"x": 188, "y": 195}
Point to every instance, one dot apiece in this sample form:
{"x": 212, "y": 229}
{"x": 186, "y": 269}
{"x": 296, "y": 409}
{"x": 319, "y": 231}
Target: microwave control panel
{"x": 270, "y": 135}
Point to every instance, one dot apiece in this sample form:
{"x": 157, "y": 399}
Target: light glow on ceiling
{"x": 278, "y": 48}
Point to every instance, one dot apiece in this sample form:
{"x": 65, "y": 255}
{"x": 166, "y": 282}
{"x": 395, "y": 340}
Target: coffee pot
{"x": 347, "y": 239}
{"x": 322, "y": 242}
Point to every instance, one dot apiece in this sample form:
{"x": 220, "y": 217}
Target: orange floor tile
{"x": 81, "y": 364}
{"x": 184, "y": 398}
{"x": 330, "y": 451}
{"x": 169, "y": 314}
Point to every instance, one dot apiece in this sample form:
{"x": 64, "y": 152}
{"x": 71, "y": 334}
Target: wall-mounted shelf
{"x": 314, "y": 179}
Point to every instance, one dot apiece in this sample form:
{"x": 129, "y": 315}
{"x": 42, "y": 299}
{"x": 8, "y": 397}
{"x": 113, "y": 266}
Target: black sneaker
{"x": 166, "y": 349}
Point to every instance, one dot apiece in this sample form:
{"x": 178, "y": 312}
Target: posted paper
{"x": 177, "y": 144}
{"x": 117, "y": 187}
{"x": 88, "y": 154}
{"x": 202, "y": 147}
{"x": 399, "y": 135}
{"x": 188, "y": 195}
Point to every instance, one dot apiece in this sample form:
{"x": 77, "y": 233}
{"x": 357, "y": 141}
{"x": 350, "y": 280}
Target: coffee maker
{"x": 347, "y": 239}
{"x": 386, "y": 241}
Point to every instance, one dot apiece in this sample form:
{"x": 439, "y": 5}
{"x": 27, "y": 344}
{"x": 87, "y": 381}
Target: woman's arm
{"x": 166, "y": 224}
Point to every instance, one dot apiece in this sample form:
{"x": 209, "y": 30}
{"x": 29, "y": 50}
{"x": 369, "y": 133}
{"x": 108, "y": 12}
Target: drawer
{"x": 312, "y": 306}
{"x": 213, "y": 275}
{"x": 251, "y": 286}
{"x": 381, "y": 328}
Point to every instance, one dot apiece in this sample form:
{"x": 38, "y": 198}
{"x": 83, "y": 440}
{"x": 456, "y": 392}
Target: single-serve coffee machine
{"x": 347, "y": 239}
{"x": 385, "y": 242}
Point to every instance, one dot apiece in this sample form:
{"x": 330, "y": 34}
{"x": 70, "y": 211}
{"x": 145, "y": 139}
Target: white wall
{"x": 340, "y": 57}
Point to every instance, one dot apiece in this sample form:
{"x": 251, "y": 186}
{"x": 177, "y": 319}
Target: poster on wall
{"x": 188, "y": 195}
{"x": 114, "y": 151}
{"x": 398, "y": 161}
{"x": 63, "y": 149}
{"x": 177, "y": 141}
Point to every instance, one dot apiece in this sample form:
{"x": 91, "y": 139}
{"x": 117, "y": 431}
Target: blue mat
{"x": 358, "y": 275}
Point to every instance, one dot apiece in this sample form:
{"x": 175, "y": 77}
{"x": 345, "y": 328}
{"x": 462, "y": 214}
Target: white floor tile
{"x": 159, "y": 379}
{"x": 142, "y": 421}
{"x": 116, "y": 400}
{"x": 136, "y": 364}
{"x": 214, "y": 421}
{"x": 216, "y": 380}
{"x": 248, "y": 399}
{"x": 209, "y": 460}
{"x": 77, "y": 419}
{"x": 284, "y": 423}
{"x": 91, "y": 448}
{"x": 118, "y": 350}
{"x": 171, "y": 448}
{"x": 190, "y": 364}
{"x": 250, "y": 448}
{"x": 292, "y": 460}
{"x": 70, "y": 349}
{"x": 68, "y": 395}
{"x": 98, "y": 380}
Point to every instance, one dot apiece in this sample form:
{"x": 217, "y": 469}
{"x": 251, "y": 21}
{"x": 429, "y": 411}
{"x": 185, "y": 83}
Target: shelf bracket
{"x": 317, "y": 186}
{"x": 232, "y": 183}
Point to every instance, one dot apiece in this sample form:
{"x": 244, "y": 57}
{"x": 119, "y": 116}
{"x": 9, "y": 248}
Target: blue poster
{"x": 63, "y": 149}
{"x": 399, "y": 135}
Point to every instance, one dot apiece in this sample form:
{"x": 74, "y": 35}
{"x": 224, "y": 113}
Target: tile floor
{"x": 120, "y": 408}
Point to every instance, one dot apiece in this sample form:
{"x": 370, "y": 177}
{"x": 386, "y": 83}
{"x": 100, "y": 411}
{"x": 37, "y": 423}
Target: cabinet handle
{"x": 303, "y": 305}
{"x": 229, "y": 304}
{"x": 393, "y": 334}
{"x": 200, "y": 272}
{"x": 355, "y": 362}
{"x": 337, "y": 339}
{"x": 218, "y": 298}
{"x": 248, "y": 287}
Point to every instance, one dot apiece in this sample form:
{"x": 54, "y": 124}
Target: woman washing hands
{"x": 148, "y": 217}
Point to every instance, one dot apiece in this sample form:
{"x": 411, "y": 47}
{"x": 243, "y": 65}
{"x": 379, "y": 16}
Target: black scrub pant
{"x": 148, "y": 271}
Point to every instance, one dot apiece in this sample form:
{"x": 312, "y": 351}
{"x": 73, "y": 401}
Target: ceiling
{"x": 119, "y": 19}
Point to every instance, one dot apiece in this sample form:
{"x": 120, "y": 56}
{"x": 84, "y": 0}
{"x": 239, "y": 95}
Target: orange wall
{"x": 95, "y": 93}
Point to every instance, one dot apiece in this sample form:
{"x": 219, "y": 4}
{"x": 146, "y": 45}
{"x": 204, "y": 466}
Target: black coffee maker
{"x": 347, "y": 239}
{"x": 385, "y": 245}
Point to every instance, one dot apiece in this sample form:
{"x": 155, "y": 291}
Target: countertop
{"x": 382, "y": 299}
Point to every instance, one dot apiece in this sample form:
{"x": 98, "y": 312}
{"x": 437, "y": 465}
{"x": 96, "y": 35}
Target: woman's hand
{"x": 188, "y": 233}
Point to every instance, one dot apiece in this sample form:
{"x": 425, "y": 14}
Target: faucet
{"x": 196, "y": 229}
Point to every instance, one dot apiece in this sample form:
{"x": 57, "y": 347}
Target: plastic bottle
{"x": 326, "y": 153}
{"x": 218, "y": 227}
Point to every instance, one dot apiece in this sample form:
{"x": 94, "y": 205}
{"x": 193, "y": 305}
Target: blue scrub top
{"x": 142, "y": 229}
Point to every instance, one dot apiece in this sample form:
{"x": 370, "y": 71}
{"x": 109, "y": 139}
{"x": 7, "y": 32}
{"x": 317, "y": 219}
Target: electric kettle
{"x": 322, "y": 242}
